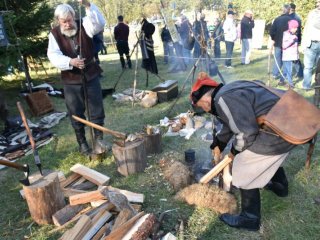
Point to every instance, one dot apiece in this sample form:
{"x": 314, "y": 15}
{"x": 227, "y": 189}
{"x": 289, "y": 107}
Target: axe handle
{"x": 102, "y": 129}
{"x": 13, "y": 165}
{"x": 214, "y": 171}
{"x": 25, "y": 123}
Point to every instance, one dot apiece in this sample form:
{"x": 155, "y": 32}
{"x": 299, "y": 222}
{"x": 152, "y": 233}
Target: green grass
{"x": 294, "y": 217}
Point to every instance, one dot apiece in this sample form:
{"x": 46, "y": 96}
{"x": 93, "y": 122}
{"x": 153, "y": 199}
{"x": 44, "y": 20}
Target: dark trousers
{"x": 229, "y": 51}
{"x": 216, "y": 49}
{"x": 75, "y": 102}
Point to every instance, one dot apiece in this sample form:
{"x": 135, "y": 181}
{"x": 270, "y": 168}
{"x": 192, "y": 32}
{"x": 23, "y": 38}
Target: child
{"x": 289, "y": 50}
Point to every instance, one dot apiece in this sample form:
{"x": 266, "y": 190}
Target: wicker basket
{"x": 39, "y": 103}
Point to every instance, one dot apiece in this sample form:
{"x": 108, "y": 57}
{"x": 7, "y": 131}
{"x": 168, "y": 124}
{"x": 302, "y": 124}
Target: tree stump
{"x": 131, "y": 158}
{"x": 44, "y": 198}
{"x": 152, "y": 143}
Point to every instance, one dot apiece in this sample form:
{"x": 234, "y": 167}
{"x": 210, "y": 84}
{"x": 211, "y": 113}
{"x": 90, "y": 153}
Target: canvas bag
{"x": 293, "y": 118}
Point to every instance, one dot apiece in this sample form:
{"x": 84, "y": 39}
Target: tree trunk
{"x": 44, "y": 198}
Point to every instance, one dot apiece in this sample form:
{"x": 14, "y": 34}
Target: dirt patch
{"x": 208, "y": 196}
{"x": 175, "y": 172}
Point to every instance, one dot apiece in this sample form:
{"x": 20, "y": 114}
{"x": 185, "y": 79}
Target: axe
{"x": 24, "y": 168}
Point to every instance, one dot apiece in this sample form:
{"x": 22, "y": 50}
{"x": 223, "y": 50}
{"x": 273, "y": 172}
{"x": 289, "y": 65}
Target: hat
{"x": 203, "y": 84}
{"x": 293, "y": 24}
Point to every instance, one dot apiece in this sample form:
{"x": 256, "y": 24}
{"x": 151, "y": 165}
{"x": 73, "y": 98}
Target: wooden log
{"x": 96, "y": 225}
{"x": 86, "y": 197}
{"x": 81, "y": 227}
{"x": 78, "y": 182}
{"x": 120, "y": 232}
{"x": 227, "y": 178}
{"x": 72, "y": 178}
{"x": 66, "y": 214}
{"x": 122, "y": 217}
{"x": 131, "y": 196}
{"x": 152, "y": 143}
{"x": 131, "y": 158}
{"x": 90, "y": 174}
{"x": 44, "y": 198}
{"x": 103, "y": 230}
{"x": 136, "y": 207}
{"x": 218, "y": 168}
{"x": 68, "y": 192}
{"x": 142, "y": 228}
{"x": 87, "y": 185}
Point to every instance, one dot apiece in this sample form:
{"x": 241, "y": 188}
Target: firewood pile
{"x": 100, "y": 211}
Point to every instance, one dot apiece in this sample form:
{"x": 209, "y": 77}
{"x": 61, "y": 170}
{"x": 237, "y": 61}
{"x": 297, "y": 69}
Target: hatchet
{"x": 24, "y": 168}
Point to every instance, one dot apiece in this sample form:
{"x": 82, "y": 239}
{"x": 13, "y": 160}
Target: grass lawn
{"x": 293, "y": 217}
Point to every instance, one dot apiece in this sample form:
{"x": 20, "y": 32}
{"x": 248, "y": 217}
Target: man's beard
{"x": 70, "y": 32}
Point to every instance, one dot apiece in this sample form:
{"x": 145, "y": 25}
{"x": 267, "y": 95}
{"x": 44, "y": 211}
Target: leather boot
{"x": 123, "y": 63}
{"x": 249, "y": 218}
{"x": 278, "y": 183}
{"x": 129, "y": 61}
{"x": 81, "y": 139}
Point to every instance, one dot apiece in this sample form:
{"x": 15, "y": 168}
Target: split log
{"x": 66, "y": 214}
{"x": 80, "y": 229}
{"x": 142, "y": 228}
{"x": 86, "y": 197}
{"x": 131, "y": 196}
{"x": 131, "y": 158}
{"x": 105, "y": 229}
{"x": 78, "y": 182}
{"x": 72, "y": 178}
{"x": 122, "y": 217}
{"x": 152, "y": 143}
{"x": 44, "y": 198}
{"x": 227, "y": 178}
{"x": 120, "y": 232}
{"x": 90, "y": 174}
{"x": 136, "y": 207}
{"x": 97, "y": 224}
{"x": 68, "y": 192}
{"x": 87, "y": 185}
{"x": 217, "y": 169}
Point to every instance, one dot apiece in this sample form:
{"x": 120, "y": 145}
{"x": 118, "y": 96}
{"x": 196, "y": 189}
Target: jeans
{"x": 278, "y": 63}
{"x": 187, "y": 56}
{"x": 229, "y": 49}
{"x": 216, "y": 49}
{"x": 297, "y": 66}
{"x": 75, "y": 102}
{"x": 246, "y": 51}
{"x": 287, "y": 71}
{"x": 311, "y": 56}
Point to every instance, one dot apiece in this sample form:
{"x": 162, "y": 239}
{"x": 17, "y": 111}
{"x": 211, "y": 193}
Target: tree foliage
{"x": 27, "y": 24}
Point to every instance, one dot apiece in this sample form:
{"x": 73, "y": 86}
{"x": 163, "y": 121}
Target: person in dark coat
{"x": 121, "y": 35}
{"x": 279, "y": 25}
{"x": 147, "y": 48}
{"x": 217, "y": 38}
{"x": 247, "y": 24}
{"x": 257, "y": 154}
{"x": 167, "y": 44}
{"x": 201, "y": 34}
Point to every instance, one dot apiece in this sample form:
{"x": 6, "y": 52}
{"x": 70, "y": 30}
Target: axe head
{"x": 26, "y": 171}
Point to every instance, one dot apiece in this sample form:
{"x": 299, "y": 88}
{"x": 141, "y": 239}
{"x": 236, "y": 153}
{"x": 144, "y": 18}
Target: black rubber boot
{"x": 249, "y": 218}
{"x": 278, "y": 183}
{"x": 123, "y": 63}
{"x": 129, "y": 61}
{"x": 81, "y": 139}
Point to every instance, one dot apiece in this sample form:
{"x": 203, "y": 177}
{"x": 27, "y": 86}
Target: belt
{"x": 315, "y": 41}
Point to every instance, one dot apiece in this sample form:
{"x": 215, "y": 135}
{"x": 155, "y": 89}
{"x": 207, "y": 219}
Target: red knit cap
{"x": 202, "y": 80}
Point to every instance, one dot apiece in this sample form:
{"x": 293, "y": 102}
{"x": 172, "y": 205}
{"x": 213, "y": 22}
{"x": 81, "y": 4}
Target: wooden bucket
{"x": 131, "y": 158}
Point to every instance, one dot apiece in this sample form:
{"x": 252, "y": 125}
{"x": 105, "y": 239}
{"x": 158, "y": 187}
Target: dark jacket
{"x": 200, "y": 29}
{"x": 279, "y": 25}
{"x": 121, "y": 32}
{"x": 237, "y": 105}
{"x": 246, "y": 27}
{"x": 185, "y": 29}
{"x": 165, "y": 35}
{"x": 68, "y": 48}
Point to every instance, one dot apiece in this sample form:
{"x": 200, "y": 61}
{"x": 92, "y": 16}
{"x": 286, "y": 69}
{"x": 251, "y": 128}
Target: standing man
{"x": 185, "y": 31}
{"x": 230, "y": 36}
{"x": 257, "y": 155}
{"x": 167, "y": 44}
{"x": 201, "y": 34}
{"x": 311, "y": 44}
{"x": 279, "y": 25}
{"x": 247, "y": 24}
{"x": 121, "y": 34}
{"x": 297, "y": 64}
{"x": 71, "y": 50}
{"x": 217, "y": 37}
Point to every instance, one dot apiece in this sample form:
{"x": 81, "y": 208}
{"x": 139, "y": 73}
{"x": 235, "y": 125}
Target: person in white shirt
{"x": 71, "y": 50}
{"x": 230, "y": 36}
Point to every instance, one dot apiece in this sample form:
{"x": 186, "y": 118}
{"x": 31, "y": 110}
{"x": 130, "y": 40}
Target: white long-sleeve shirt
{"x": 311, "y": 30}
{"x": 93, "y": 23}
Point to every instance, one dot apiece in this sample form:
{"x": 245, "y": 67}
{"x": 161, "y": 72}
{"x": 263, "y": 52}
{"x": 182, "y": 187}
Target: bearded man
{"x": 71, "y": 50}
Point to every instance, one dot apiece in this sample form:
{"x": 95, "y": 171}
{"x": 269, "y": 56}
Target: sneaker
{"x": 281, "y": 83}
{"x": 229, "y": 67}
